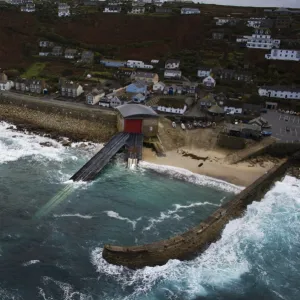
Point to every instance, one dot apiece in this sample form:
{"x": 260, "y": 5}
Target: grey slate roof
{"x": 136, "y": 110}
{"x": 216, "y": 109}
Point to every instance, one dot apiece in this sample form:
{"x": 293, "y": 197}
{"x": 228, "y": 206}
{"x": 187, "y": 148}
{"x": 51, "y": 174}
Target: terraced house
{"x": 5, "y": 84}
{"x": 70, "y": 89}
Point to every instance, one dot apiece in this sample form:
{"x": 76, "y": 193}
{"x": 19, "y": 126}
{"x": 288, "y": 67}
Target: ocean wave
{"x": 173, "y": 213}
{"x": 73, "y": 216}
{"x": 31, "y": 262}
{"x": 264, "y": 236}
{"x": 189, "y": 176}
{"x": 115, "y": 215}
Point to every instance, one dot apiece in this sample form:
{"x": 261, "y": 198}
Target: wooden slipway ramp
{"x": 92, "y": 168}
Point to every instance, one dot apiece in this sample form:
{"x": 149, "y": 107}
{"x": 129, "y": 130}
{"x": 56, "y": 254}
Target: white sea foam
{"x": 189, "y": 176}
{"x": 246, "y": 243}
{"x": 67, "y": 291}
{"x": 172, "y": 213}
{"x": 115, "y": 215}
{"x": 73, "y": 216}
{"x": 31, "y": 262}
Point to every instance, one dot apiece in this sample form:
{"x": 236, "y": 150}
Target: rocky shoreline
{"x": 64, "y": 129}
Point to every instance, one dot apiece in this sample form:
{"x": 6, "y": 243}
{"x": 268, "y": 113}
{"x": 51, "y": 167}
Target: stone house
{"x": 172, "y": 64}
{"x": 70, "y": 89}
{"x": 70, "y": 53}
{"x": 36, "y": 86}
{"x": 94, "y": 96}
{"x": 227, "y": 74}
{"x": 5, "y": 84}
{"x": 87, "y": 57}
{"x": 149, "y": 78}
{"x": 57, "y": 51}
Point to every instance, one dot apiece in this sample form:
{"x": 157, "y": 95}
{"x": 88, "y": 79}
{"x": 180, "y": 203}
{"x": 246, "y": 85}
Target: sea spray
{"x": 263, "y": 238}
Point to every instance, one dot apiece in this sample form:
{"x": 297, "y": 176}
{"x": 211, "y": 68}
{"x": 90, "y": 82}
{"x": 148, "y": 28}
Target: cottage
{"x": 204, "y": 72}
{"x": 209, "y": 82}
{"x": 159, "y": 86}
{"x": 113, "y": 63}
{"x": 227, "y": 74}
{"x": 70, "y": 53}
{"x": 218, "y": 35}
{"x": 57, "y": 51}
{"x": 280, "y": 92}
{"x": 112, "y": 9}
{"x": 115, "y": 102}
{"x": 71, "y": 89}
{"x": 29, "y": 7}
{"x": 87, "y": 57}
{"x": 137, "y": 87}
{"x": 283, "y": 22}
{"x": 176, "y": 74}
{"x": 150, "y": 78}
{"x": 63, "y": 10}
{"x": 172, "y": 64}
{"x": 137, "y": 10}
{"x": 22, "y": 85}
{"x": 190, "y": 11}
{"x": 163, "y": 10}
{"x": 261, "y": 39}
{"x": 284, "y": 54}
{"x": 46, "y": 44}
{"x": 5, "y": 84}
{"x": 94, "y": 97}
{"x": 36, "y": 86}
{"x": 138, "y": 64}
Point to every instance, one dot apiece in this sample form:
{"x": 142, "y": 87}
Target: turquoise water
{"x": 59, "y": 254}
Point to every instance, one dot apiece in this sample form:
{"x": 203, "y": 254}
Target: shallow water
{"x": 54, "y": 251}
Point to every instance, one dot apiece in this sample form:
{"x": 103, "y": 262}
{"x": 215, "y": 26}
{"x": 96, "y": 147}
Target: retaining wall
{"x": 231, "y": 142}
{"x": 197, "y": 239}
{"x": 61, "y": 108}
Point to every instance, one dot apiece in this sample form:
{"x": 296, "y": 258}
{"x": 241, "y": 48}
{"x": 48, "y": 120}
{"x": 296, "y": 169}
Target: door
{"x": 133, "y": 126}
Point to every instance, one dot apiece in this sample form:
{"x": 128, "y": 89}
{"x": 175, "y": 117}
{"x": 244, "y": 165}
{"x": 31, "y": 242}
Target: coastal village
{"x": 223, "y": 92}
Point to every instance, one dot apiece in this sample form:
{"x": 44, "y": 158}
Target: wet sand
{"x": 213, "y": 164}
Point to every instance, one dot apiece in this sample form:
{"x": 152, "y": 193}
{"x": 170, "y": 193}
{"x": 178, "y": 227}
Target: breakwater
{"x": 197, "y": 239}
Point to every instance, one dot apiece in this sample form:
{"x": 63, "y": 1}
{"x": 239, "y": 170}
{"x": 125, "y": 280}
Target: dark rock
{"x": 46, "y": 144}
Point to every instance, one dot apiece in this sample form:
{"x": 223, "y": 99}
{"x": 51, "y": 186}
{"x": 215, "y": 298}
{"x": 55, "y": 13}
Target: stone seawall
{"x": 58, "y": 119}
{"x": 197, "y": 239}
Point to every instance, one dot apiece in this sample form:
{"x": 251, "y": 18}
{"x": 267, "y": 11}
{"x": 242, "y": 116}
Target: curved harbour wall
{"x": 197, "y": 239}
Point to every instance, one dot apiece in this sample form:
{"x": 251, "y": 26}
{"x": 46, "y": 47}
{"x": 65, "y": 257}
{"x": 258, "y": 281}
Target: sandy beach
{"x": 215, "y": 164}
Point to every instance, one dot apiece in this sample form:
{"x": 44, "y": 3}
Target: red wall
{"x": 133, "y": 126}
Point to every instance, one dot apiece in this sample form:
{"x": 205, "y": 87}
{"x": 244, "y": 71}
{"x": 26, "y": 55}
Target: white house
{"x": 172, "y": 64}
{"x": 204, "y": 72}
{"x": 209, "y": 82}
{"x": 63, "y": 10}
{"x": 172, "y": 110}
{"x": 261, "y": 39}
{"x": 137, "y": 10}
{"x": 94, "y": 97}
{"x": 44, "y": 53}
{"x": 255, "y": 22}
{"x": 6, "y": 85}
{"x": 112, "y": 9}
{"x": 138, "y": 64}
{"x": 154, "y": 61}
{"x": 280, "y": 92}
{"x": 29, "y": 7}
{"x": 172, "y": 74}
{"x": 283, "y": 54}
{"x": 159, "y": 86}
{"x": 190, "y": 11}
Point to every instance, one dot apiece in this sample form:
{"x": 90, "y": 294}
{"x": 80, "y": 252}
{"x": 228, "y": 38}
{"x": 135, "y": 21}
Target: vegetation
{"x": 34, "y": 70}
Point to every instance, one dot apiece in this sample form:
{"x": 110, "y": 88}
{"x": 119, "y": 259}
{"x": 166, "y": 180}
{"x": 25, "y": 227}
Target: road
{"x": 280, "y": 122}
{"x": 59, "y": 103}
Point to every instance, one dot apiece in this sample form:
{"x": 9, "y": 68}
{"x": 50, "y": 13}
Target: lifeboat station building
{"x": 137, "y": 118}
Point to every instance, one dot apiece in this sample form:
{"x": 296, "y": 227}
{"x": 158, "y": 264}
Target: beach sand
{"x": 243, "y": 173}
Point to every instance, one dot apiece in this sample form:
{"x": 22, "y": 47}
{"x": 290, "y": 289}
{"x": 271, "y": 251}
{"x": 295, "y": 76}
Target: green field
{"x": 34, "y": 70}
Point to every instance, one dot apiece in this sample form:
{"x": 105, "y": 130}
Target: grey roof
{"x": 281, "y": 88}
{"x": 216, "y": 109}
{"x": 139, "y": 84}
{"x": 144, "y": 74}
{"x": 136, "y": 110}
{"x": 259, "y": 121}
{"x": 241, "y": 127}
